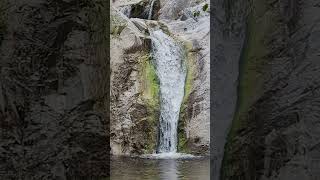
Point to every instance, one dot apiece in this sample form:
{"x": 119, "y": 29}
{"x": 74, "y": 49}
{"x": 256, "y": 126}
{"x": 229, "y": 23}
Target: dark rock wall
{"x": 53, "y": 90}
{"x": 275, "y": 129}
{"x": 228, "y": 32}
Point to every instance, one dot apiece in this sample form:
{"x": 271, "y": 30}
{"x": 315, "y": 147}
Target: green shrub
{"x": 205, "y": 7}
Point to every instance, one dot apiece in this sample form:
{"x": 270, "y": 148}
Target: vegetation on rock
{"x": 150, "y": 81}
{"x": 205, "y": 7}
{"x": 150, "y": 95}
{"x": 190, "y": 68}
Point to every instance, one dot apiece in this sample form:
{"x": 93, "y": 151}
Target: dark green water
{"x": 129, "y": 168}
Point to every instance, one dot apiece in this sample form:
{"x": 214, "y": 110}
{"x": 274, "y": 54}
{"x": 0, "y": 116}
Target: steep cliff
{"x": 135, "y": 106}
{"x": 54, "y": 89}
{"x": 190, "y": 23}
{"x": 228, "y": 32}
{"x": 134, "y": 89}
{"x": 275, "y": 129}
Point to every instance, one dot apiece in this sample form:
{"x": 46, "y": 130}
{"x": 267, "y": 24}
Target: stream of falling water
{"x": 168, "y": 59}
{"x": 151, "y": 9}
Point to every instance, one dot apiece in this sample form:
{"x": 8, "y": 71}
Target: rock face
{"x": 275, "y": 129}
{"x": 228, "y": 32}
{"x": 134, "y": 90}
{"x": 193, "y": 28}
{"x": 53, "y": 90}
{"x": 138, "y": 8}
{"x": 135, "y": 97}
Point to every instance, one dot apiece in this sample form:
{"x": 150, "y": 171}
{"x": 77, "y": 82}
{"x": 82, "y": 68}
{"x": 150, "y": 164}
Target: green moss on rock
{"x": 190, "y": 74}
{"x": 150, "y": 83}
{"x": 190, "y": 67}
{"x": 150, "y": 95}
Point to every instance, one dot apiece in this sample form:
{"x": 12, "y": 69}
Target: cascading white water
{"x": 151, "y": 9}
{"x": 168, "y": 59}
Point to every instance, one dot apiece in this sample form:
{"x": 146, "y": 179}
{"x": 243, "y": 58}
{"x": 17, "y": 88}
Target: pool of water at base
{"x": 136, "y": 168}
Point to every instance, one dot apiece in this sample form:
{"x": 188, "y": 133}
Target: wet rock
{"x": 195, "y": 118}
{"x": 194, "y": 122}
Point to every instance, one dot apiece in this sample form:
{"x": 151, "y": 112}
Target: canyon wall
{"x": 135, "y": 87}
{"x": 228, "y": 27}
{"x": 275, "y": 129}
{"x": 54, "y": 89}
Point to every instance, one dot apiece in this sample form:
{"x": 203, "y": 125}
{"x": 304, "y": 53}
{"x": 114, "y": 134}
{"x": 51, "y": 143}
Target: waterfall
{"x": 151, "y": 9}
{"x": 168, "y": 59}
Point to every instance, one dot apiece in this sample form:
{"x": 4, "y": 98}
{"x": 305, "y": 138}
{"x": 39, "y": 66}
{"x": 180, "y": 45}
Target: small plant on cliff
{"x": 116, "y": 30}
{"x": 205, "y": 7}
{"x": 196, "y": 13}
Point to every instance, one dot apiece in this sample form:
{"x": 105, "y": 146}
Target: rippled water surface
{"x": 135, "y": 168}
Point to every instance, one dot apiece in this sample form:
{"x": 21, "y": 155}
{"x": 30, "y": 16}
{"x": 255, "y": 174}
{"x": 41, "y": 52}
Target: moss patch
{"x": 190, "y": 68}
{"x": 150, "y": 83}
{"x": 190, "y": 74}
{"x": 150, "y": 95}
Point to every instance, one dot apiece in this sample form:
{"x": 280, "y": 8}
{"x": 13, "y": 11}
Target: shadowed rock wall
{"x": 274, "y": 134}
{"x": 54, "y": 89}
